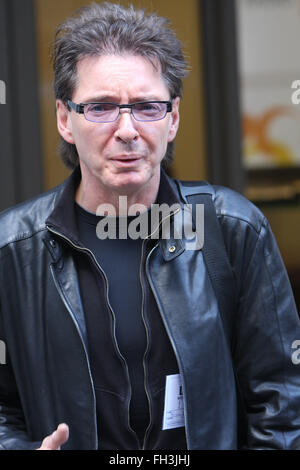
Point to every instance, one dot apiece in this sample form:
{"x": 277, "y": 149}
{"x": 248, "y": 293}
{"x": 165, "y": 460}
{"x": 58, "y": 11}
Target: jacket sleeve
{"x": 267, "y": 346}
{"x": 13, "y": 434}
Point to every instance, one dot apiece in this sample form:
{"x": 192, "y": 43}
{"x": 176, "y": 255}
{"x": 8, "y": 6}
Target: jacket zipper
{"x": 85, "y": 351}
{"x": 86, "y": 250}
{"x": 147, "y": 330}
{"x": 146, "y": 351}
{"x": 171, "y": 340}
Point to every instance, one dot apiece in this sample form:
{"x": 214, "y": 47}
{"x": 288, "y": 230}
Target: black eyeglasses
{"x": 109, "y": 112}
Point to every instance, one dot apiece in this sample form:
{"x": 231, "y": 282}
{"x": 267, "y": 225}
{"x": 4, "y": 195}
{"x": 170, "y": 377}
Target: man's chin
{"x": 129, "y": 185}
{"x": 130, "y": 180}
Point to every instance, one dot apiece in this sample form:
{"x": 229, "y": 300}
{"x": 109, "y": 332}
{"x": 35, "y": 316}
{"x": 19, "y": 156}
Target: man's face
{"x": 125, "y": 155}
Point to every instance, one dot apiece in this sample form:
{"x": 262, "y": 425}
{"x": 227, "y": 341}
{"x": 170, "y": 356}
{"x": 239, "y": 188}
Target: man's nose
{"x": 126, "y": 126}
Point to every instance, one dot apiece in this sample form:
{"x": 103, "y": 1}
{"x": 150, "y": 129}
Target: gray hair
{"x": 107, "y": 28}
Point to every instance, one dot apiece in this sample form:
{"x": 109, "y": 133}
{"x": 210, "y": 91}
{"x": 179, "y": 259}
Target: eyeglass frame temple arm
{"x": 78, "y": 108}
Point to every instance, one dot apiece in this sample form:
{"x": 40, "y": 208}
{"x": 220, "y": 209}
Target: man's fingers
{"x": 56, "y": 439}
{"x": 60, "y": 436}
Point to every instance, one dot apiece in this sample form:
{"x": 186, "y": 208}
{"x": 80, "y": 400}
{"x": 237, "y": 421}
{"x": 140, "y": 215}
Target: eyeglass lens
{"x": 108, "y": 112}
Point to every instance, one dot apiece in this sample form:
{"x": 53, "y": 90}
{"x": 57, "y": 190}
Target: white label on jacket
{"x": 173, "y": 411}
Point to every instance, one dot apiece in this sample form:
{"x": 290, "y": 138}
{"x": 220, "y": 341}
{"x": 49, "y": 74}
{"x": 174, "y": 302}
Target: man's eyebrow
{"x": 146, "y": 98}
{"x": 100, "y": 99}
{"x": 115, "y": 99}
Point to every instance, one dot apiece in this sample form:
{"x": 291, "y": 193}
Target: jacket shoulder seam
{"x": 257, "y": 229}
{"x": 22, "y": 236}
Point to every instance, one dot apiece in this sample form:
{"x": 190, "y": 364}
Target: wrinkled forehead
{"x": 126, "y": 73}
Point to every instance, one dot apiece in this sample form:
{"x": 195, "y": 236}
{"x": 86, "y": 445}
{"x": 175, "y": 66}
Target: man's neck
{"x": 90, "y": 198}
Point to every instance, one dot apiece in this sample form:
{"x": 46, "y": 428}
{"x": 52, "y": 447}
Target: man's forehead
{"x": 104, "y": 62}
{"x": 123, "y": 55}
{"x": 110, "y": 75}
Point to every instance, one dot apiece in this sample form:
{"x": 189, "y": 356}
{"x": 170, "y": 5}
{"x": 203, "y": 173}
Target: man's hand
{"x": 56, "y": 439}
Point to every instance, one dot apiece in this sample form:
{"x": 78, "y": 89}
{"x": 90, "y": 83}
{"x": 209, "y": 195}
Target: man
{"x": 106, "y": 339}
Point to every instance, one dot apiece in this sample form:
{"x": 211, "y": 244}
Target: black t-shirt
{"x": 120, "y": 260}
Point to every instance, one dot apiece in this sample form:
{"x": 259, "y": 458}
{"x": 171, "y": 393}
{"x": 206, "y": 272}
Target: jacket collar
{"x": 63, "y": 217}
{"x": 63, "y": 221}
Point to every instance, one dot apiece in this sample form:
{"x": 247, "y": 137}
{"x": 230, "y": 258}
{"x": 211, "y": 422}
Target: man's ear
{"x": 174, "y": 119}
{"x": 63, "y": 122}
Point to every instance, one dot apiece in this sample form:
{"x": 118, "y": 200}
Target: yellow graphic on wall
{"x": 258, "y": 139}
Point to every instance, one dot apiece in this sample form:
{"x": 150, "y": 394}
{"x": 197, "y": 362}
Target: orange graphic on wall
{"x": 257, "y": 139}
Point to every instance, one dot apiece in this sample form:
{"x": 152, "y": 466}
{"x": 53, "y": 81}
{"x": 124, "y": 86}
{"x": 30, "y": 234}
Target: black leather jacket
{"x": 46, "y": 377}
